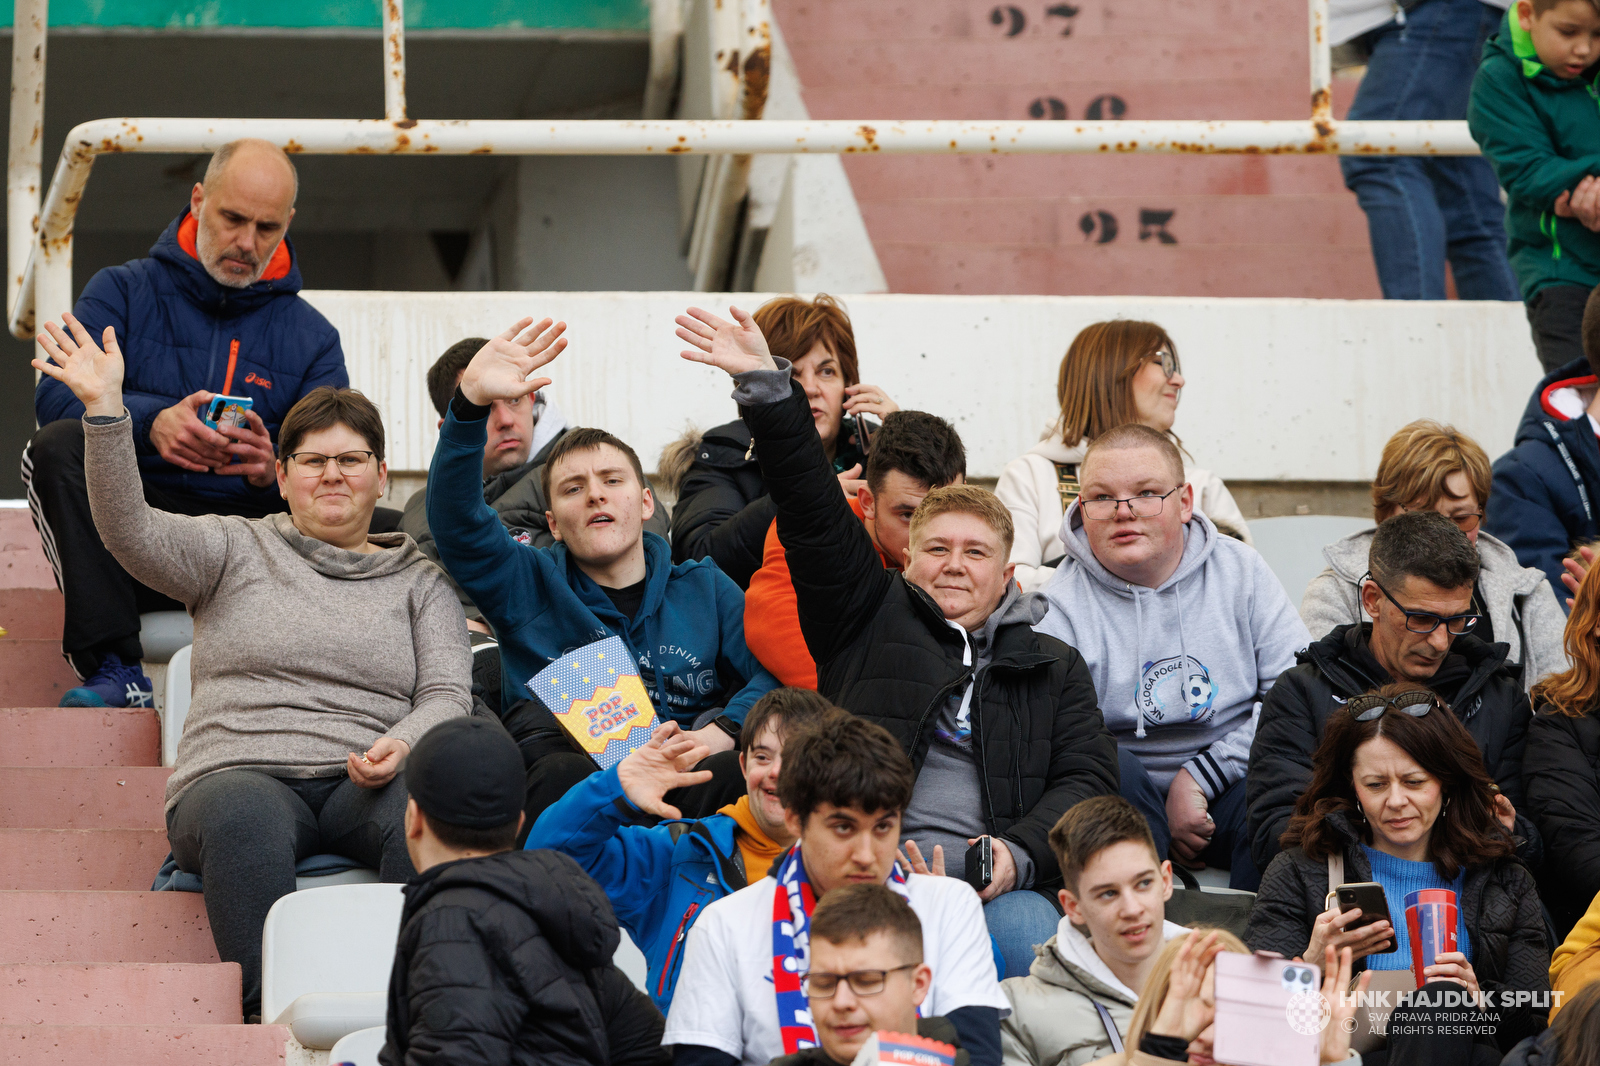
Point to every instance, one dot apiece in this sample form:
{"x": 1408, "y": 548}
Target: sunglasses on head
{"x": 1372, "y": 705}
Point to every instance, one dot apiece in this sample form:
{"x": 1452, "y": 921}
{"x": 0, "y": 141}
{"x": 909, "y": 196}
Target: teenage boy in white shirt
{"x": 738, "y": 998}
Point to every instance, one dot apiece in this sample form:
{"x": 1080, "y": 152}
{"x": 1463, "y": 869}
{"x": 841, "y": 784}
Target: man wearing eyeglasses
{"x": 1184, "y": 630}
{"x": 1419, "y": 594}
{"x": 866, "y": 975}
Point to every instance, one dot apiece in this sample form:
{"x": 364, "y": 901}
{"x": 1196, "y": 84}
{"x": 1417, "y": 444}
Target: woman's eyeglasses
{"x": 1103, "y": 510}
{"x": 1371, "y": 706}
{"x": 1169, "y": 362}
{"x": 862, "y": 982}
{"x": 314, "y": 463}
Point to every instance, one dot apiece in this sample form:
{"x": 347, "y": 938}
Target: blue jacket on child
{"x": 659, "y": 878}
{"x": 182, "y": 332}
{"x": 688, "y": 636}
{"x": 1546, "y": 489}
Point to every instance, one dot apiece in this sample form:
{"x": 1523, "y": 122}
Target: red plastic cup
{"x": 1431, "y": 919}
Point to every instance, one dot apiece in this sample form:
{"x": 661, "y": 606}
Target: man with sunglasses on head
{"x": 1184, "y": 630}
{"x": 1419, "y": 594}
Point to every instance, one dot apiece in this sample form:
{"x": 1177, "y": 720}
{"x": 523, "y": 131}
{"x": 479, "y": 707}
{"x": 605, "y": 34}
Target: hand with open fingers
{"x": 1003, "y": 878}
{"x": 1332, "y": 929}
{"x": 377, "y": 766}
{"x": 184, "y": 441}
{"x": 1576, "y": 571}
{"x": 1451, "y": 966}
{"x": 667, "y": 762}
{"x": 868, "y": 400}
{"x": 851, "y": 481}
{"x": 1184, "y": 1012}
{"x": 1335, "y": 982}
{"x": 251, "y": 452}
{"x": 501, "y": 369}
{"x": 933, "y": 867}
{"x": 737, "y": 347}
{"x": 92, "y": 372}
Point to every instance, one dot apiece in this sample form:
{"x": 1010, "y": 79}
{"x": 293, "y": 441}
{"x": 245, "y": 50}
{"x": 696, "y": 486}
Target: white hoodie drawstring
{"x": 964, "y": 712}
{"x": 1138, "y": 658}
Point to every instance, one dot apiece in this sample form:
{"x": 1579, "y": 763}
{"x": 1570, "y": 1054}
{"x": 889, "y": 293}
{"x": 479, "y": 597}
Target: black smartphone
{"x": 980, "y": 864}
{"x": 1368, "y": 895}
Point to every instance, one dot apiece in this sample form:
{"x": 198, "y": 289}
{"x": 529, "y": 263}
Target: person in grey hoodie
{"x": 1184, "y": 631}
{"x": 321, "y": 652}
{"x": 1429, "y": 467}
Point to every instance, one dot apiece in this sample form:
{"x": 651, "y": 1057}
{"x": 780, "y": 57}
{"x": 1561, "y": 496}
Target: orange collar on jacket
{"x": 277, "y": 266}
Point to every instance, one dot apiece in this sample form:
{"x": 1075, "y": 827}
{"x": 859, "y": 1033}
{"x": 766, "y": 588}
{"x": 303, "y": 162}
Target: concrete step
{"x": 81, "y": 859}
{"x": 144, "y": 1045}
{"x": 33, "y": 673}
{"x": 79, "y": 736}
{"x": 83, "y": 797}
{"x": 39, "y": 927}
{"x": 22, "y": 561}
{"x": 33, "y": 614}
{"x": 155, "y": 993}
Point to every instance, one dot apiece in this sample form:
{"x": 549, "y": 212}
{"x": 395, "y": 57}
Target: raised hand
{"x": 1335, "y": 989}
{"x": 1185, "y": 1010}
{"x": 93, "y": 373}
{"x": 736, "y": 347}
{"x": 500, "y": 369}
{"x": 665, "y": 763}
{"x": 932, "y": 866}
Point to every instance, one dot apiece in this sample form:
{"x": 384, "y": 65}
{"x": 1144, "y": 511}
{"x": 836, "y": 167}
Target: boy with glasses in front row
{"x": 866, "y": 975}
{"x": 1419, "y": 595}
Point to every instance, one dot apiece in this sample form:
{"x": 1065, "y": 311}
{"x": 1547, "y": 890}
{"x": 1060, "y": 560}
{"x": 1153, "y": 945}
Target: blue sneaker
{"x": 115, "y": 684}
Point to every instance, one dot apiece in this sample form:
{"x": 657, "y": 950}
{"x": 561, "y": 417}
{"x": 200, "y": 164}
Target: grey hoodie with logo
{"x": 1180, "y": 669}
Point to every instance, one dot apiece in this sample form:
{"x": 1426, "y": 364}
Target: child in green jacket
{"x": 1535, "y": 114}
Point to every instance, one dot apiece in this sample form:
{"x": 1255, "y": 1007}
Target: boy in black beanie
{"x": 504, "y": 956}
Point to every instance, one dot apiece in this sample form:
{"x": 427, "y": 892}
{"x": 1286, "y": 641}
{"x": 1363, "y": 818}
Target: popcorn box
{"x": 598, "y": 697}
{"x": 884, "y": 1048}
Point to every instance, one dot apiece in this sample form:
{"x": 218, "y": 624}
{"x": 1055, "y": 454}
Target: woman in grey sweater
{"x": 321, "y": 653}
{"x": 1429, "y": 467}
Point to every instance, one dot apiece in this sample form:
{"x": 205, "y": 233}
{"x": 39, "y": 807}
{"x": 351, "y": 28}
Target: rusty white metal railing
{"x": 39, "y": 248}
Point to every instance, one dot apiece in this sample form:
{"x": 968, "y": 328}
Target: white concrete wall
{"x": 1277, "y": 389}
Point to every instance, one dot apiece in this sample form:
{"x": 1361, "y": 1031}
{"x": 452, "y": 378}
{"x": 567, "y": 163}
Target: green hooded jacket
{"x": 1542, "y": 136}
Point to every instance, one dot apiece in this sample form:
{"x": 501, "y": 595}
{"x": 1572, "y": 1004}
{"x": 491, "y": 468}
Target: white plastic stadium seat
{"x": 1292, "y": 545}
{"x": 162, "y": 633}
{"x": 175, "y": 707}
{"x": 360, "y": 1048}
{"x": 325, "y": 960}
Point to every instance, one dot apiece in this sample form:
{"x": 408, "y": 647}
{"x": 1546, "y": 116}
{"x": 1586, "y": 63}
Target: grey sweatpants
{"x": 243, "y": 832}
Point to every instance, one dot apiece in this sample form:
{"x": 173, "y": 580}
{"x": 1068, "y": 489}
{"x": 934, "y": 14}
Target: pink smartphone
{"x": 1269, "y": 1011}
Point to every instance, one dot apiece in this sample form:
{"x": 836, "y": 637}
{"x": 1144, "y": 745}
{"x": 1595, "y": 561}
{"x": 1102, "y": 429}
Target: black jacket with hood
{"x": 1545, "y": 496}
{"x": 1475, "y": 680}
{"x": 885, "y": 651}
{"x": 506, "y": 959}
{"x": 1499, "y": 905}
{"x": 1561, "y": 776}
{"x": 723, "y": 510}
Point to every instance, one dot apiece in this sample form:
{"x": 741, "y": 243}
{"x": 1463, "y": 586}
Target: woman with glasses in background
{"x": 1561, "y": 764}
{"x": 1400, "y": 797}
{"x": 1113, "y": 373}
{"x": 1430, "y": 467}
{"x": 321, "y": 651}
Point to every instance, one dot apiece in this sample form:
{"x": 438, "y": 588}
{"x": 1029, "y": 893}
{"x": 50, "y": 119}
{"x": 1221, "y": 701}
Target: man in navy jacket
{"x": 214, "y": 310}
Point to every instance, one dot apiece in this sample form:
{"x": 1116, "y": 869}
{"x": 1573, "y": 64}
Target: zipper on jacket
{"x": 233, "y": 363}
{"x": 672, "y": 950}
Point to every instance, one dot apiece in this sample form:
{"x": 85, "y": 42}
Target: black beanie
{"x": 467, "y": 772}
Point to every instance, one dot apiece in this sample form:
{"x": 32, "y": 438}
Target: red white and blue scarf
{"x": 792, "y": 904}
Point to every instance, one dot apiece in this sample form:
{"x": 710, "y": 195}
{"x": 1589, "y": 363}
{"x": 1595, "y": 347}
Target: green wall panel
{"x": 323, "y": 14}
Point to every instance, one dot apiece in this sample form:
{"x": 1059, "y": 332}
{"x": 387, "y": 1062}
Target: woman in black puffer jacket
{"x": 723, "y": 511}
{"x": 1400, "y": 793}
